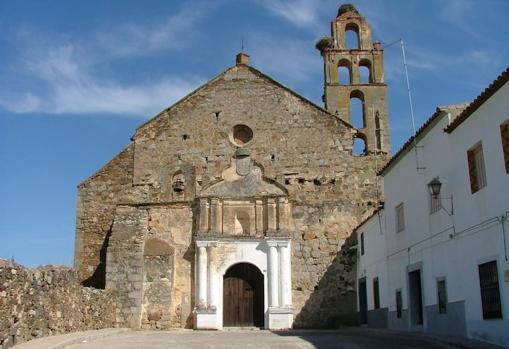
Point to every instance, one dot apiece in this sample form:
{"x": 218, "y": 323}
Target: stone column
{"x": 204, "y": 215}
{"x": 286, "y": 277}
{"x": 355, "y": 71}
{"x": 273, "y": 275}
{"x": 202, "y": 276}
{"x": 212, "y": 279}
{"x": 271, "y": 215}
{"x": 259, "y": 217}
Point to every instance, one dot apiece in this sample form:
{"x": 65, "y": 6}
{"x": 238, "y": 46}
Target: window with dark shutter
{"x": 442, "y": 296}
{"x": 399, "y": 304}
{"x": 476, "y": 168}
{"x": 472, "y": 172}
{"x": 490, "y": 291}
{"x": 376, "y": 293}
{"x": 362, "y": 244}
{"x": 504, "y": 134}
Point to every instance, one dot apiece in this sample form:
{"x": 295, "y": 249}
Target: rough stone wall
{"x": 323, "y": 267}
{"x": 97, "y": 199}
{"x": 48, "y": 300}
{"x": 296, "y": 144}
{"x": 149, "y": 263}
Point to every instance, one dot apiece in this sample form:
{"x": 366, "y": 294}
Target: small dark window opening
{"x": 185, "y": 137}
{"x": 378, "y": 130}
{"x": 442, "y": 297}
{"x": 301, "y": 180}
{"x": 217, "y": 115}
{"x": 399, "y": 304}
{"x": 242, "y": 134}
{"x": 490, "y": 291}
{"x": 504, "y": 134}
{"x": 273, "y": 157}
{"x": 376, "y": 293}
{"x": 362, "y": 244}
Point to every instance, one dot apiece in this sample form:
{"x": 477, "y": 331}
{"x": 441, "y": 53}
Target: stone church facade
{"x": 234, "y": 206}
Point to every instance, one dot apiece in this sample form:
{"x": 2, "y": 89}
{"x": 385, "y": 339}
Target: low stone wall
{"x": 48, "y": 300}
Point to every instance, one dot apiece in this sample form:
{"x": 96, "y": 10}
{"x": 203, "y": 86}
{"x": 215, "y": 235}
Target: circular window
{"x": 241, "y": 135}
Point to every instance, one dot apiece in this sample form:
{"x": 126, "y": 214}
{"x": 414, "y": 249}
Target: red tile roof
{"x": 476, "y": 103}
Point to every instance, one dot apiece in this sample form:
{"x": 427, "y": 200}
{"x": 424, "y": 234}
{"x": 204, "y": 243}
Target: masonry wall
{"x": 46, "y": 301}
{"x": 97, "y": 200}
{"x": 297, "y": 144}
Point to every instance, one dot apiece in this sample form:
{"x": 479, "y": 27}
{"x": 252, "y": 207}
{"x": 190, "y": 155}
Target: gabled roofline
{"x": 375, "y": 212}
{"x": 423, "y": 130}
{"x": 489, "y": 91}
{"x": 101, "y": 170}
{"x": 256, "y": 72}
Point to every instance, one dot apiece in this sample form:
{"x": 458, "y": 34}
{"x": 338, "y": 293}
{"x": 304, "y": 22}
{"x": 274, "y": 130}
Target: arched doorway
{"x": 243, "y": 296}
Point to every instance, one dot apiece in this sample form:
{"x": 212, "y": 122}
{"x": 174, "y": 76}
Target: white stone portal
{"x": 271, "y": 255}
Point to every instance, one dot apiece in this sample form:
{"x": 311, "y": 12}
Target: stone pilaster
{"x": 271, "y": 215}
{"x": 259, "y": 217}
{"x": 204, "y": 215}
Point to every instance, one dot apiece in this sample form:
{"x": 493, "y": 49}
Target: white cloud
{"x": 292, "y": 59}
{"x": 440, "y": 63}
{"x": 20, "y": 102}
{"x": 70, "y": 88}
{"x": 63, "y": 77}
{"x": 173, "y": 32}
{"x": 298, "y": 12}
{"x": 458, "y": 13}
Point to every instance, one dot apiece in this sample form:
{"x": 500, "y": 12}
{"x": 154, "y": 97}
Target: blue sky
{"x": 79, "y": 76}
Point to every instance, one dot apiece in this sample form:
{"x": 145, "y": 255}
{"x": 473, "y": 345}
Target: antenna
{"x": 242, "y": 44}
{"x": 410, "y": 102}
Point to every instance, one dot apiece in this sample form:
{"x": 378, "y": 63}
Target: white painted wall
{"x": 426, "y": 237}
{"x": 373, "y": 263}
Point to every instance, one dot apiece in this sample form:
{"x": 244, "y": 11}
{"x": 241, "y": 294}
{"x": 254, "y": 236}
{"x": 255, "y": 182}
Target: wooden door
{"x": 363, "y": 301}
{"x": 243, "y": 296}
{"x": 237, "y": 303}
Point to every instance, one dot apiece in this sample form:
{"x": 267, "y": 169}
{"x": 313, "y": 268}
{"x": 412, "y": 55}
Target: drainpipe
{"x": 502, "y": 220}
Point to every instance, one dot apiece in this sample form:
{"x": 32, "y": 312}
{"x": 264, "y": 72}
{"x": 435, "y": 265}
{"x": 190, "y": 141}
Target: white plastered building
{"x": 439, "y": 263}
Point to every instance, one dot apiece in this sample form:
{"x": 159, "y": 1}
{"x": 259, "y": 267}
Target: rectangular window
{"x": 399, "y": 304}
{"x": 400, "y": 218}
{"x": 376, "y": 293}
{"x": 490, "y": 291}
{"x": 362, "y": 244}
{"x": 504, "y": 134}
{"x": 442, "y": 296}
{"x": 476, "y": 168}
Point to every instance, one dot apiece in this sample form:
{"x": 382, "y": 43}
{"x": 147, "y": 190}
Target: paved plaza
{"x": 347, "y": 338}
{"x": 255, "y": 340}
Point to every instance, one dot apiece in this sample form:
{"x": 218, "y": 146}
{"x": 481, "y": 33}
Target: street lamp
{"x": 434, "y": 187}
